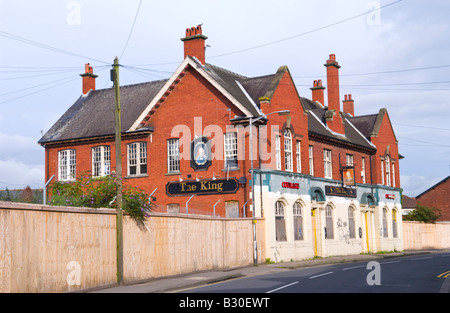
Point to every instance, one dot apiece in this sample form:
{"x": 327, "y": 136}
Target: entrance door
{"x": 314, "y": 230}
{"x": 367, "y": 231}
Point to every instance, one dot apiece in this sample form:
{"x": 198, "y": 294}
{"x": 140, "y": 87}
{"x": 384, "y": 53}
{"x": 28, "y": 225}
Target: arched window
{"x": 288, "y": 150}
{"x": 280, "y": 225}
{"x": 394, "y": 224}
{"x": 351, "y": 222}
{"x": 329, "y": 234}
{"x": 385, "y": 230}
{"x": 388, "y": 170}
{"x": 298, "y": 221}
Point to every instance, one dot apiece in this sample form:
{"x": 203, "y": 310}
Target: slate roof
{"x": 317, "y": 126}
{"x": 92, "y": 115}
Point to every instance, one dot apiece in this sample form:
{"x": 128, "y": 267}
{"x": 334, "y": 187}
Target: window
{"x": 394, "y": 224}
{"x": 288, "y": 150}
{"x": 327, "y": 163}
{"x": 137, "y": 158}
{"x": 385, "y": 230}
{"x": 388, "y": 171}
{"x": 232, "y": 209}
{"x": 311, "y": 160}
{"x": 329, "y": 234}
{"x": 382, "y": 172}
{"x": 298, "y": 221}
{"x": 298, "y": 157}
{"x": 393, "y": 174}
{"x": 277, "y": 153}
{"x": 363, "y": 170}
{"x": 280, "y": 225}
{"x": 349, "y": 159}
{"x": 173, "y": 155}
{"x": 231, "y": 150}
{"x": 173, "y": 208}
{"x": 351, "y": 222}
{"x": 67, "y": 165}
{"x": 101, "y": 161}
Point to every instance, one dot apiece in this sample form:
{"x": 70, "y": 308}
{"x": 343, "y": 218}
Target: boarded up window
{"x": 173, "y": 208}
{"x": 394, "y": 224}
{"x": 280, "y": 225}
{"x": 329, "y": 234}
{"x": 298, "y": 221}
{"x": 232, "y": 209}
{"x": 351, "y": 222}
{"x": 385, "y": 230}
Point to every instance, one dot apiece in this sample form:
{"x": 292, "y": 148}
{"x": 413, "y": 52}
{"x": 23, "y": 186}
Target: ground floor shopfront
{"x": 307, "y": 216}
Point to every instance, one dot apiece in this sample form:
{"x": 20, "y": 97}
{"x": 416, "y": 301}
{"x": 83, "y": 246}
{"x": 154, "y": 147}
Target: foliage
{"x": 88, "y": 191}
{"x": 423, "y": 214}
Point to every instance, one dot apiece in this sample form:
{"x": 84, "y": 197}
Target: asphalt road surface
{"x": 413, "y": 274}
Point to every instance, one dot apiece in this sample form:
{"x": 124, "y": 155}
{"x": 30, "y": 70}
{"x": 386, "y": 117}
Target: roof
{"x": 92, "y": 115}
{"x": 408, "y": 202}
{"x": 317, "y": 127}
{"x": 433, "y": 187}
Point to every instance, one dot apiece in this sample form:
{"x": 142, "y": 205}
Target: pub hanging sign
{"x": 202, "y": 187}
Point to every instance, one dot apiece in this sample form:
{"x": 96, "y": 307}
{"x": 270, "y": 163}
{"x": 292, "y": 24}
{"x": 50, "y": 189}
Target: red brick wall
{"x": 384, "y": 139}
{"x": 438, "y": 198}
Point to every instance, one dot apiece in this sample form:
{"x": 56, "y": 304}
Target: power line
{"x": 305, "y": 33}
{"x": 418, "y": 126}
{"x": 44, "y": 46}
{"x": 132, "y": 27}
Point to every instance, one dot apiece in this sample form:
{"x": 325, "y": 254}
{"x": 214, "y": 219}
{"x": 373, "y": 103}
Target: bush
{"x": 423, "y": 214}
{"x": 92, "y": 192}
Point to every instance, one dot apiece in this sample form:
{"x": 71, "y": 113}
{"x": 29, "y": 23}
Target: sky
{"x": 393, "y": 54}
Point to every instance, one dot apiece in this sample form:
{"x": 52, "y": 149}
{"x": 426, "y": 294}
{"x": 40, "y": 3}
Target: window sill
{"x": 233, "y": 169}
{"x": 136, "y": 176}
{"x": 173, "y": 174}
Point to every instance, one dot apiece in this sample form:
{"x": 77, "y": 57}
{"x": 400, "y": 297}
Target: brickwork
{"x": 436, "y": 197}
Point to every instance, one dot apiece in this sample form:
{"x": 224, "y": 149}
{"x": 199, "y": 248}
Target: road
{"x": 413, "y": 274}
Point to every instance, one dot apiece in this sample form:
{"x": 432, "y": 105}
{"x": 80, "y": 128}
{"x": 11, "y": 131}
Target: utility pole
{"x": 118, "y": 136}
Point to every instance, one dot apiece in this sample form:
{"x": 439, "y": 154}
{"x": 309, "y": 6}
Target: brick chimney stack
{"x": 318, "y": 92}
{"x": 194, "y": 43}
{"x": 349, "y": 105}
{"x": 333, "y": 115}
{"x": 88, "y": 79}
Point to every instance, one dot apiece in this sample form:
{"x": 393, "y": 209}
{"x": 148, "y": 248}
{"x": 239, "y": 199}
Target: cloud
{"x": 14, "y": 174}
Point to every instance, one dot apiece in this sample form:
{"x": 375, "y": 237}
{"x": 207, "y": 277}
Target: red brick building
{"x": 436, "y": 197}
{"x": 188, "y": 138}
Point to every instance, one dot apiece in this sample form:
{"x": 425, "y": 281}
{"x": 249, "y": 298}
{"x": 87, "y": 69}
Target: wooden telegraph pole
{"x": 118, "y": 136}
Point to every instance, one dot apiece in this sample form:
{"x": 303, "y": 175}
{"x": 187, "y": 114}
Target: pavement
{"x": 191, "y": 280}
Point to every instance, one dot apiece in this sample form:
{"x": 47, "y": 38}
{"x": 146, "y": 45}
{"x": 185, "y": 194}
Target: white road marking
{"x": 285, "y": 286}
{"x": 312, "y": 277}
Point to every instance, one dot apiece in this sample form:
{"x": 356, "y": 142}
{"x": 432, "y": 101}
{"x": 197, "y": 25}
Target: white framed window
{"x": 288, "y": 150}
{"x": 327, "y": 163}
{"x": 67, "y": 165}
{"x": 137, "y": 158}
{"x": 388, "y": 170}
{"x": 278, "y": 152}
{"x": 101, "y": 161}
{"x": 298, "y": 156}
{"x": 363, "y": 170}
{"x": 385, "y": 223}
{"x": 280, "y": 225}
{"x": 231, "y": 150}
{"x": 298, "y": 221}
{"x": 393, "y": 174}
{"x": 382, "y": 171}
{"x": 311, "y": 160}
{"x": 173, "y": 155}
{"x": 349, "y": 159}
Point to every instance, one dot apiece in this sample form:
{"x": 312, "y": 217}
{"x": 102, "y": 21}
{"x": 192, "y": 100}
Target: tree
{"x": 423, "y": 214}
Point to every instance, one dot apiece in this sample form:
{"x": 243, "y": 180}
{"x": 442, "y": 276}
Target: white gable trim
{"x": 195, "y": 64}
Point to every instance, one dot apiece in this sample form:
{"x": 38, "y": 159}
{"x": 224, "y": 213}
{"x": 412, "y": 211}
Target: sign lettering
{"x": 202, "y": 187}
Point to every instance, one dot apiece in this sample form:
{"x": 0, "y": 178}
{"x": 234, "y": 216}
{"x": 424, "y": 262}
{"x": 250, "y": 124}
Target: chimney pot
{"x": 194, "y": 43}
{"x": 88, "y": 79}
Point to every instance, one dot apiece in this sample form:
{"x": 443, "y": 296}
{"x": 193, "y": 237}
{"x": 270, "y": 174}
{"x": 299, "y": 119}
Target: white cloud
{"x": 14, "y": 174}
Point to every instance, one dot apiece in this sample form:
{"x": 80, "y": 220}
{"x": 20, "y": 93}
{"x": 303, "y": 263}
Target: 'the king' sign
{"x": 202, "y": 187}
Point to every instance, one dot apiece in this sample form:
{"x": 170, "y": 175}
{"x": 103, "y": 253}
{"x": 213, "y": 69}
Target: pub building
{"x": 323, "y": 180}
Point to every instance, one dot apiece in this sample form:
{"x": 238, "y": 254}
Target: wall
{"x": 417, "y": 235}
{"x": 59, "y": 249}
